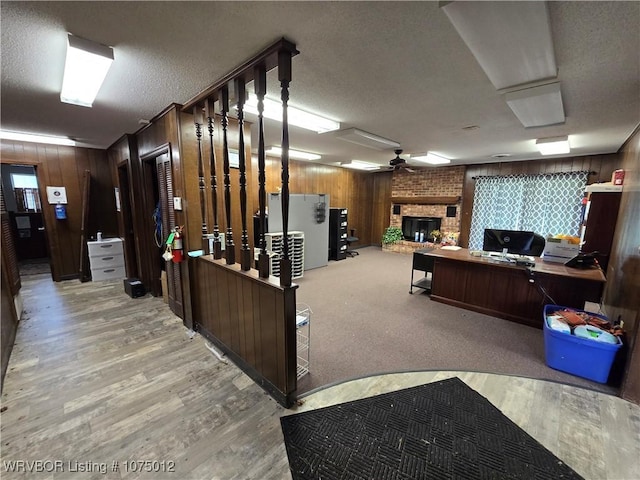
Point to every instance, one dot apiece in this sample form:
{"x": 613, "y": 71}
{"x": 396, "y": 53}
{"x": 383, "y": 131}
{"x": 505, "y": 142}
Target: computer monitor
{"x": 514, "y": 241}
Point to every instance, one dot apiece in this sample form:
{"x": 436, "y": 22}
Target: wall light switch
{"x": 177, "y": 203}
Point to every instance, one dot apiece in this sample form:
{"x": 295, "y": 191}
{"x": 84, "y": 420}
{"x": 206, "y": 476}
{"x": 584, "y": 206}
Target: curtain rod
{"x": 522, "y": 174}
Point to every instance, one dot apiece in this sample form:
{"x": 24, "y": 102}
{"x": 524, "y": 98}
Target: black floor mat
{"x": 441, "y": 430}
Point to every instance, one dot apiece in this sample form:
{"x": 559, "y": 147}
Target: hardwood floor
{"x": 96, "y": 377}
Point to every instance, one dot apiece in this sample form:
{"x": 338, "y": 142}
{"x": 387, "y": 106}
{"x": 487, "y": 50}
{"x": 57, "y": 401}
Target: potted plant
{"x": 436, "y": 235}
{"x": 392, "y": 235}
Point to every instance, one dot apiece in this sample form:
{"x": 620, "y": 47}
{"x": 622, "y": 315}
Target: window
{"x": 547, "y": 204}
{"x": 24, "y": 181}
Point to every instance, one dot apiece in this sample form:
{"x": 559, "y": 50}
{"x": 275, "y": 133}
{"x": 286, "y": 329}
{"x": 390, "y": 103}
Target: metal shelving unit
{"x": 303, "y": 332}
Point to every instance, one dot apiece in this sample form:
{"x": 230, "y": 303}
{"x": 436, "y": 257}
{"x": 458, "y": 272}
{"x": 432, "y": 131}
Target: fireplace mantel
{"x": 425, "y": 200}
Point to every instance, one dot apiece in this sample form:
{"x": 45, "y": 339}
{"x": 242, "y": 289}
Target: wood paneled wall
{"x": 622, "y": 291}
{"x": 10, "y": 288}
{"x": 62, "y": 166}
{"x": 346, "y": 189}
{"x": 164, "y": 129}
{"x": 250, "y": 319}
{"x": 602, "y": 165}
{"x": 380, "y": 205}
{"x": 8, "y": 325}
{"x": 120, "y": 155}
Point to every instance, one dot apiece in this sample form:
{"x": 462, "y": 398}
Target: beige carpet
{"x": 365, "y": 322}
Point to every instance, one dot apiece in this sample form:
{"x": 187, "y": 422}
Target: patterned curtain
{"x": 547, "y": 204}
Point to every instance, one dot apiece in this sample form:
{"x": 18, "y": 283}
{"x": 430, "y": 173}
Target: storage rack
{"x": 274, "y": 243}
{"x": 303, "y": 332}
{"x": 337, "y": 234}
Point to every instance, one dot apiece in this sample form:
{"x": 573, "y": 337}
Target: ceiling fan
{"x": 399, "y": 163}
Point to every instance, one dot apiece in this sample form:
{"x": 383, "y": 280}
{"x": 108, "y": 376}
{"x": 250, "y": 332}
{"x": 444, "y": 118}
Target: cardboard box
{"x": 165, "y": 290}
{"x": 603, "y": 187}
{"x": 559, "y": 251}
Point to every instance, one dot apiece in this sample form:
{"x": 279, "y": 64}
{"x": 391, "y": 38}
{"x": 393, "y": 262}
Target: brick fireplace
{"x": 426, "y": 193}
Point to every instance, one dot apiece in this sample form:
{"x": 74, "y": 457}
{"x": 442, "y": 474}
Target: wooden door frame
{"x": 127, "y": 216}
{"x": 43, "y": 199}
{"x": 150, "y": 264}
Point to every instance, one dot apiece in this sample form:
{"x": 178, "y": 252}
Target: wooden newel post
{"x": 217, "y": 244}
{"x": 230, "y": 251}
{"x": 203, "y": 202}
{"x": 260, "y": 86}
{"x": 284, "y": 75}
{"x": 245, "y": 254}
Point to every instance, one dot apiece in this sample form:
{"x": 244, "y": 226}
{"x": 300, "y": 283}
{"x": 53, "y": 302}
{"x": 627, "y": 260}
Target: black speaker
{"x": 396, "y": 209}
{"x": 451, "y": 211}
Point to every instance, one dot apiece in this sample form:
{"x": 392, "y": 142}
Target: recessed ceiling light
{"x": 85, "y": 68}
{"x": 360, "y": 165}
{"x": 28, "y": 137}
{"x": 295, "y": 116}
{"x": 432, "y": 159}
{"x": 366, "y": 139}
{"x": 553, "y": 145}
{"x": 501, "y": 155}
{"x": 295, "y": 154}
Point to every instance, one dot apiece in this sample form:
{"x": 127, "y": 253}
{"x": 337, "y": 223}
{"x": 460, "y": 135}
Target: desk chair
{"x": 537, "y": 245}
{"x": 351, "y": 239}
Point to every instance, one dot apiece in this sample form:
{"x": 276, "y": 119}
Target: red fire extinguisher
{"x": 177, "y": 249}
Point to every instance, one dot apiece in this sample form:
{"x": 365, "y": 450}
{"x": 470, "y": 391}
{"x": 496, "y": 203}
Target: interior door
{"x": 165, "y": 194}
{"x": 9, "y": 256}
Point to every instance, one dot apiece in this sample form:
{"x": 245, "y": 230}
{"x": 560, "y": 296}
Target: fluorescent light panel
{"x": 27, "y": 137}
{"x": 366, "y": 139}
{"x": 510, "y": 40}
{"x": 553, "y": 145}
{"x": 85, "y": 69}
{"x": 295, "y": 116}
{"x": 295, "y": 154}
{"x": 432, "y": 159}
{"x": 537, "y": 106}
{"x": 360, "y": 165}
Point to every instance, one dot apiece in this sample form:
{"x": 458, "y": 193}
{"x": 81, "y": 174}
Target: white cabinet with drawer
{"x": 106, "y": 259}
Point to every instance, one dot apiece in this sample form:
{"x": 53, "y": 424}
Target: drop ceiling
{"x": 398, "y": 70}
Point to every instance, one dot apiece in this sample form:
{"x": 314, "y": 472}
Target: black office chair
{"x": 351, "y": 239}
{"x": 537, "y": 245}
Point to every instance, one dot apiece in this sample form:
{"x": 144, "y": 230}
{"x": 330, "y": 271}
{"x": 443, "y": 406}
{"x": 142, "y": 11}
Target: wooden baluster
{"x": 203, "y": 210}
{"x": 260, "y": 86}
{"x": 284, "y": 75}
{"x": 245, "y": 254}
{"x": 230, "y": 251}
{"x": 217, "y": 244}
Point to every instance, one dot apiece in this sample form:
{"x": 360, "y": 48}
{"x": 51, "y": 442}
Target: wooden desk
{"x": 508, "y": 291}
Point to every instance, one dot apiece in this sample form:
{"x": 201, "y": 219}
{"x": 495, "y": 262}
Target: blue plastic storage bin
{"x": 583, "y": 357}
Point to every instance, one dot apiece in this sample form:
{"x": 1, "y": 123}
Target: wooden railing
{"x": 245, "y": 313}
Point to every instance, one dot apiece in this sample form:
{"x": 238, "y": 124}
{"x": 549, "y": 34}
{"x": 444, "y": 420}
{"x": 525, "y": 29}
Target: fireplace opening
{"x": 417, "y": 229}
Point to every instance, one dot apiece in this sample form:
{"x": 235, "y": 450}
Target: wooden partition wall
{"x": 248, "y": 314}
